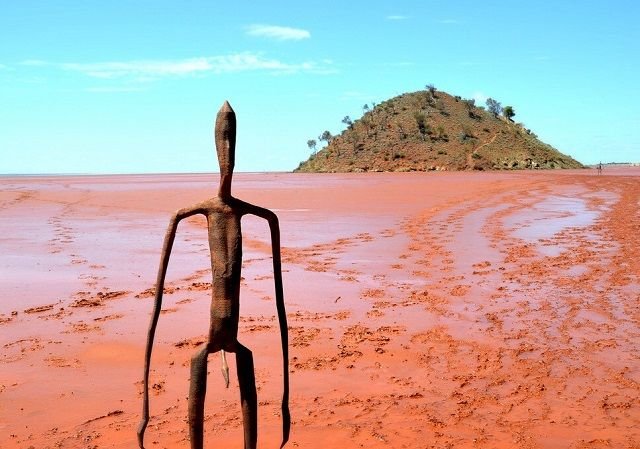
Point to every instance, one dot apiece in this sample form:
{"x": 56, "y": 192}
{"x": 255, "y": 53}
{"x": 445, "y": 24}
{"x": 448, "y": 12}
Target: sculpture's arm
{"x": 162, "y": 271}
{"x": 274, "y": 227}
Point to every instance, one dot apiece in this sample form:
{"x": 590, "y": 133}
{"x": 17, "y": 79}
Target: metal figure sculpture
{"x": 223, "y": 214}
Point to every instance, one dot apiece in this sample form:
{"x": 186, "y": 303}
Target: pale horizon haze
{"x": 134, "y": 86}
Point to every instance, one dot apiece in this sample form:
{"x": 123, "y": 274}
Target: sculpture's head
{"x": 225, "y": 138}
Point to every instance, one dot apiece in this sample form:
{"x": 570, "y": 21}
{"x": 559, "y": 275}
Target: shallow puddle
{"x": 554, "y": 214}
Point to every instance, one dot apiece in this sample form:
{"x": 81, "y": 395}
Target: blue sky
{"x": 133, "y": 86}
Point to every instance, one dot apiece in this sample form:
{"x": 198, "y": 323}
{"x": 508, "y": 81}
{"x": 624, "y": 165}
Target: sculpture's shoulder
{"x": 252, "y": 209}
{"x": 224, "y": 206}
{"x": 231, "y": 206}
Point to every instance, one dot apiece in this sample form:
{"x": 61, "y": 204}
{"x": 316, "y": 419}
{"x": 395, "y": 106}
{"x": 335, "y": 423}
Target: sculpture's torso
{"x": 225, "y": 244}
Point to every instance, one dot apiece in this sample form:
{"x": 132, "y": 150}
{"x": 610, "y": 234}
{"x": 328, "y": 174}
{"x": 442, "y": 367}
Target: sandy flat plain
{"x": 444, "y": 310}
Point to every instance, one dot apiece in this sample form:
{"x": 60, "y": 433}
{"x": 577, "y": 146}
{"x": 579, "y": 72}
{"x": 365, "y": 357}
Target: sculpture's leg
{"x": 248, "y": 396}
{"x": 197, "y": 392}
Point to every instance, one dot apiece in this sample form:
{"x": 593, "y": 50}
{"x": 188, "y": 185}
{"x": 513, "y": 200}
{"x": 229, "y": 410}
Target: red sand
{"x": 480, "y": 310}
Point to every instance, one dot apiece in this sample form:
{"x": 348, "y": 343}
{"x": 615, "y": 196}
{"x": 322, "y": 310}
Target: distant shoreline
{"x": 5, "y": 176}
{"x": 616, "y": 164}
{"x": 56, "y": 175}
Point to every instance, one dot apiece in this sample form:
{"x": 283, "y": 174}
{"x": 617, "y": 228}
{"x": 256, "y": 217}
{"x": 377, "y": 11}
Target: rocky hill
{"x": 432, "y": 130}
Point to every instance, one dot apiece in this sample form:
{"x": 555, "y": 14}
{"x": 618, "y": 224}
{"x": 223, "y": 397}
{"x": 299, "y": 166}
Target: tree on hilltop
{"x": 508, "y": 112}
{"x": 470, "y": 104}
{"x": 494, "y": 106}
{"x": 325, "y": 136}
{"x": 311, "y": 143}
{"x": 347, "y": 121}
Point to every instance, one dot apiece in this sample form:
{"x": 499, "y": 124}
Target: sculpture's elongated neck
{"x": 224, "y": 191}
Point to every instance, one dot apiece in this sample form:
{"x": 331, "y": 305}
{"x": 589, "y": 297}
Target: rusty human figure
{"x": 223, "y": 214}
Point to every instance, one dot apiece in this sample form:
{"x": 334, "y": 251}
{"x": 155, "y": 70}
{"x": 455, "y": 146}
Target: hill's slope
{"x": 426, "y": 130}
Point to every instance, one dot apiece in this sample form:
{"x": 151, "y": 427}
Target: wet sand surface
{"x": 479, "y": 310}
